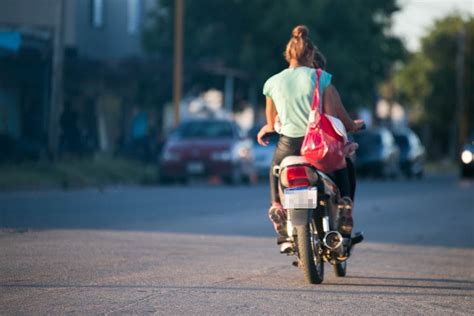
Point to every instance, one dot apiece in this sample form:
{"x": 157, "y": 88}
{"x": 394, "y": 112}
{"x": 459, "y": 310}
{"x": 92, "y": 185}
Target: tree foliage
{"x": 413, "y": 86}
{"x": 250, "y": 35}
{"x": 428, "y": 82}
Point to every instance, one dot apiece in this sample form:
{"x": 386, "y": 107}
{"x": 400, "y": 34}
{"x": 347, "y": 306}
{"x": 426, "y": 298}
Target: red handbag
{"x": 323, "y": 146}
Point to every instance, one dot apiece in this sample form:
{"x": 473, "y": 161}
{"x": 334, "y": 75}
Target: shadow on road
{"x": 412, "y": 279}
{"x": 436, "y": 290}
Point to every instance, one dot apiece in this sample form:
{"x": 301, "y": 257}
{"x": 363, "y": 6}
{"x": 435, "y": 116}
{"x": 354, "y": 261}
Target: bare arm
{"x": 333, "y": 106}
{"x": 270, "y": 114}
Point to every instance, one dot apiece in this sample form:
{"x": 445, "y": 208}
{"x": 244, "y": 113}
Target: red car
{"x": 204, "y": 148}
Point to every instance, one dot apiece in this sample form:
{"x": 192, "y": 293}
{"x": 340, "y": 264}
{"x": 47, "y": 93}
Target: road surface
{"x": 210, "y": 250}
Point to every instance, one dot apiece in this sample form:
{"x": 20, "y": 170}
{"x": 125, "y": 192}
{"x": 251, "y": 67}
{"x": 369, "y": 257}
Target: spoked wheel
{"x": 310, "y": 254}
{"x": 340, "y": 269}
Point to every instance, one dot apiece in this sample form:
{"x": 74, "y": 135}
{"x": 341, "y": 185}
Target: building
{"x": 67, "y": 53}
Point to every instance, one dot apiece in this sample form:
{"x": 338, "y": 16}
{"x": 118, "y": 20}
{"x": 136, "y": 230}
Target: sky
{"x": 417, "y": 16}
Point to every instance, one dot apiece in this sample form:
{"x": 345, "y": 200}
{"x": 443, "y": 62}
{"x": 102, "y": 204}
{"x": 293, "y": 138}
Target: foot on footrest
{"x": 357, "y": 238}
{"x": 286, "y": 247}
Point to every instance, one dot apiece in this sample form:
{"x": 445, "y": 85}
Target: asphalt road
{"x": 209, "y": 250}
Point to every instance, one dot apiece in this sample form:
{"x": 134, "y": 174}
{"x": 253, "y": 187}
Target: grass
{"x": 97, "y": 171}
{"x": 442, "y": 166}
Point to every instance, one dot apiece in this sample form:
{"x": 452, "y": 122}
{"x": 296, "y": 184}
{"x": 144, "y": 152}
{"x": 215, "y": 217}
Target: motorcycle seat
{"x": 293, "y": 160}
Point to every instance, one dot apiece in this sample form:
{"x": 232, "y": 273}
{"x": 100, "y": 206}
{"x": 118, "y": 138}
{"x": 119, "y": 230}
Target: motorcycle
{"x": 311, "y": 200}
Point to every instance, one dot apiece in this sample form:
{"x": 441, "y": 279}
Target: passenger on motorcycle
{"x": 288, "y": 98}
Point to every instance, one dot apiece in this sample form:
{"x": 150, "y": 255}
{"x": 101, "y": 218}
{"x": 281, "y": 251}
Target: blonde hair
{"x": 319, "y": 59}
{"x": 300, "y": 47}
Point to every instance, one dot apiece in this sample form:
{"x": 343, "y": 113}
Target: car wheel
{"x": 465, "y": 173}
{"x": 183, "y": 181}
{"x": 384, "y": 172}
{"x": 420, "y": 174}
{"x": 165, "y": 180}
{"x": 408, "y": 171}
{"x": 235, "y": 178}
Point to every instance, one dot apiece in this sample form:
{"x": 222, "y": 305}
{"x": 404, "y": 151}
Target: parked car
{"x": 263, "y": 155}
{"x": 377, "y": 154}
{"x": 412, "y": 152}
{"x": 467, "y": 158}
{"x": 204, "y": 148}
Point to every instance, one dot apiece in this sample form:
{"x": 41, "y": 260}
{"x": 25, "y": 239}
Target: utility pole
{"x": 457, "y": 132}
{"x": 229, "y": 92}
{"x": 178, "y": 59}
{"x": 56, "y": 103}
{"x": 252, "y": 95}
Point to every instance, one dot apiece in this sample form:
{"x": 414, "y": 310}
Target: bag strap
{"x": 316, "y": 103}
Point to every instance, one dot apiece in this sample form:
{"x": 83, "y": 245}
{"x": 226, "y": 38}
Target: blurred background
{"x": 131, "y": 181}
{"x": 96, "y": 92}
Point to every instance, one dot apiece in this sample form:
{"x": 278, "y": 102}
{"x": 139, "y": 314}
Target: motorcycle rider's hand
{"x": 359, "y": 125}
{"x": 261, "y": 134}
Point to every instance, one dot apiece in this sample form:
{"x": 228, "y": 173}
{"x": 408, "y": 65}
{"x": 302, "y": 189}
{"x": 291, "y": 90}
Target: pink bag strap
{"x": 316, "y": 103}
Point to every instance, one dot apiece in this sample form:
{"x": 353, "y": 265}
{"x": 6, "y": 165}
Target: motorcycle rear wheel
{"x": 311, "y": 259}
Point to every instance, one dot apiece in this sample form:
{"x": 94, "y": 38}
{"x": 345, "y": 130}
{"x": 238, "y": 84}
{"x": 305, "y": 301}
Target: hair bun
{"x": 300, "y": 31}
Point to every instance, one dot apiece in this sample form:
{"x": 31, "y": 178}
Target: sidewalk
{"x": 75, "y": 173}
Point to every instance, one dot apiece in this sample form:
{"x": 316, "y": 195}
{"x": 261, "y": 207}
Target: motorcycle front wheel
{"x": 310, "y": 254}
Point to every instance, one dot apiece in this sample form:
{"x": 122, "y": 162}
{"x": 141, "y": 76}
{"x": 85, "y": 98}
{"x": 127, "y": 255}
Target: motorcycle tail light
{"x": 297, "y": 177}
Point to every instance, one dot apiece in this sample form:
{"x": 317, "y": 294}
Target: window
{"x": 97, "y": 13}
{"x": 206, "y": 129}
{"x": 133, "y": 16}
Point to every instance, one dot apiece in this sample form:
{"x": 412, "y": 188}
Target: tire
{"x": 311, "y": 261}
{"x": 395, "y": 171}
{"x": 165, "y": 180}
{"x": 465, "y": 174}
{"x": 235, "y": 178}
{"x": 420, "y": 174}
{"x": 340, "y": 269}
{"x": 247, "y": 180}
{"x": 183, "y": 181}
{"x": 383, "y": 173}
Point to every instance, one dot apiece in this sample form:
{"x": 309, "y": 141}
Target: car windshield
{"x": 206, "y": 129}
{"x": 367, "y": 141}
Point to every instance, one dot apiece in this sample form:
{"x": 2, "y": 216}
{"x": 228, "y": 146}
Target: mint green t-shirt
{"x": 292, "y": 91}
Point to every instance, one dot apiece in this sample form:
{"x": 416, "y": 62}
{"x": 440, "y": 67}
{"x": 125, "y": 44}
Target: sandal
{"x": 277, "y": 216}
{"x": 345, "y": 222}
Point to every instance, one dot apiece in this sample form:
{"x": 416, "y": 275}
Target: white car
{"x": 263, "y": 155}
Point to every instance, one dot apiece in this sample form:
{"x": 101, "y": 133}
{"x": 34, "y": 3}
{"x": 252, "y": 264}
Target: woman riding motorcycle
{"x": 288, "y": 96}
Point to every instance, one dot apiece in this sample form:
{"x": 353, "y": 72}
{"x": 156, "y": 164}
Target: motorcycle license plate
{"x": 306, "y": 197}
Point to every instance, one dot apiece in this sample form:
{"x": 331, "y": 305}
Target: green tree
{"x": 412, "y": 86}
{"x": 250, "y": 35}
{"x": 428, "y": 83}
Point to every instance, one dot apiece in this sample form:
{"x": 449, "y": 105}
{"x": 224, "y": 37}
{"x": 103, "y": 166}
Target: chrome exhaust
{"x": 276, "y": 171}
{"x": 333, "y": 240}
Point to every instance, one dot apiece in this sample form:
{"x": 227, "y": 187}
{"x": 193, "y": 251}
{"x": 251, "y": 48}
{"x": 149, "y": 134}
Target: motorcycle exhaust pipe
{"x": 332, "y": 240}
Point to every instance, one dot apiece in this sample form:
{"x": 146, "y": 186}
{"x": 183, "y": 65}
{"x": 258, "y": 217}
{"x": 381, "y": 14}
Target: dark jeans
{"x": 352, "y": 177}
{"x": 288, "y": 146}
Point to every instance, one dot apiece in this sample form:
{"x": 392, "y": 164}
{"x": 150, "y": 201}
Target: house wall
{"x": 40, "y": 14}
{"x": 116, "y": 38}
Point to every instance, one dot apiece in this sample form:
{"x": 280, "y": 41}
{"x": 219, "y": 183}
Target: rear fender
{"x": 300, "y": 217}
